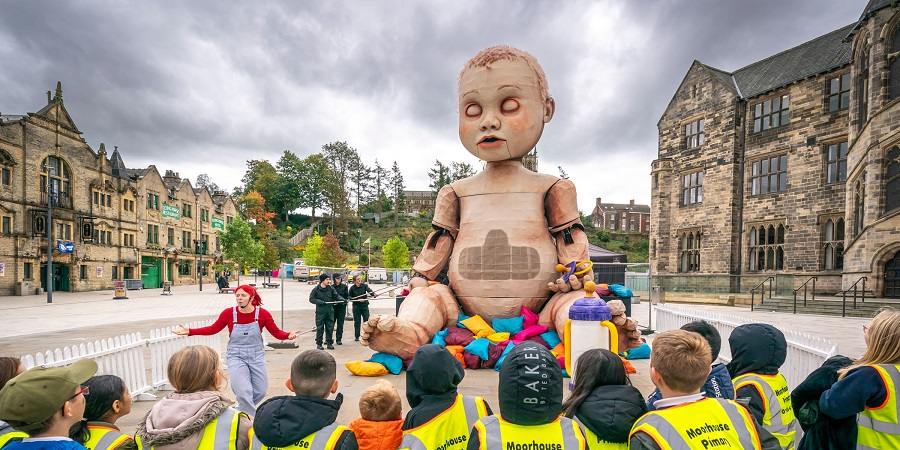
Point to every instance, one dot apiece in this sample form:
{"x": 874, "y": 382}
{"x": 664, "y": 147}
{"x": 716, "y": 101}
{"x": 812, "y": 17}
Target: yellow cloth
{"x": 499, "y": 337}
{"x": 366, "y": 368}
{"x": 478, "y": 326}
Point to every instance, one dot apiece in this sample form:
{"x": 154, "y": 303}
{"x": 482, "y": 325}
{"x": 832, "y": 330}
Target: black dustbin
{"x": 399, "y": 299}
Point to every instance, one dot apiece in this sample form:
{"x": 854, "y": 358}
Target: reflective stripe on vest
{"x": 595, "y": 443}
{"x": 879, "y": 427}
{"x": 448, "y": 430}
{"x": 105, "y": 438}
{"x": 219, "y": 434}
{"x": 324, "y": 439}
{"x": 498, "y": 434}
{"x": 9, "y": 434}
{"x": 778, "y": 417}
{"x": 701, "y": 425}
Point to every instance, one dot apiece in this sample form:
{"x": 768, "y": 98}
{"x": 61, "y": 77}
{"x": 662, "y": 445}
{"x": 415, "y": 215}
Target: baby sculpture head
{"x": 504, "y": 103}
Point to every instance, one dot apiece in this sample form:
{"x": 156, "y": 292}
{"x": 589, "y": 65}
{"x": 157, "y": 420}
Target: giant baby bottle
{"x": 588, "y": 327}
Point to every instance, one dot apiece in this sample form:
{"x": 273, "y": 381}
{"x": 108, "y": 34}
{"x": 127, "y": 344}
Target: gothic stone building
{"x": 789, "y": 166}
{"x": 621, "y": 217}
{"x": 120, "y": 223}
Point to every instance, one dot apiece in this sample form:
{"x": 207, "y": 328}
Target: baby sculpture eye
{"x": 473, "y": 110}
{"x": 509, "y": 105}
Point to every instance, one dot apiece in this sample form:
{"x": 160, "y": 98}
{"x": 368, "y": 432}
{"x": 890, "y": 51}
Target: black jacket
{"x": 359, "y": 292}
{"x": 341, "y": 290}
{"x": 820, "y": 431}
{"x": 610, "y": 412}
{"x": 320, "y": 295}
{"x": 281, "y": 421}
{"x": 756, "y": 348}
{"x": 530, "y": 388}
{"x": 431, "y": 382}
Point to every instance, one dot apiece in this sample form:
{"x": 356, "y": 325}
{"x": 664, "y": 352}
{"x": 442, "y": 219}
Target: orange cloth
{"x": 457, "y": 352}
{"x": 629, "y": 368}
{"x": 377, "y": 435}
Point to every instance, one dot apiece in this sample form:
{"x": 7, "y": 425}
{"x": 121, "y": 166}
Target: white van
{"x": 377, "y": 275}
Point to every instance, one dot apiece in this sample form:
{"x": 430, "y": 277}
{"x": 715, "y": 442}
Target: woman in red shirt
{"x": 245, "y": 354}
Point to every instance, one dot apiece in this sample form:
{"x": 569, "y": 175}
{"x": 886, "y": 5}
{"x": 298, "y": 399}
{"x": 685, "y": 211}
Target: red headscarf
{"x": 255, "y": 299}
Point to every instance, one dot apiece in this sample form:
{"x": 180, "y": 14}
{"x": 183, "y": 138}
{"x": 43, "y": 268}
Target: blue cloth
{"x": 642, "y": 352}
{"x": 718, "y": 385}
{"x": 511, "y": 325}
{"x": 620, "y": 291}
{"x": 392, "y": 363}
{"x": 459, "y": 320}
{"x": 551, "y": 338}
{"x": 506, "y": 351}
{"x": 861, "y": 387}
{"x": 67, "y": 444}
{"x": 438, "y": 338}
{"x": 479, "y": 347}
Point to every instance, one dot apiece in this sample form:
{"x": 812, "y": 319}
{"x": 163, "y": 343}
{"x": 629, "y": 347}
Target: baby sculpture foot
{"x": 393, "y": 335}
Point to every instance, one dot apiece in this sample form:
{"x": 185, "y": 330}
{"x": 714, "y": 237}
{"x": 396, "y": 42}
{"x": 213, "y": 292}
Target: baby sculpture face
{"x": 501, "y": 110}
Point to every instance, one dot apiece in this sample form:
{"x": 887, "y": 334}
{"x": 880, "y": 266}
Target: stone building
{"x": 418, "y": 201}
{"x": 789, "y": 166}
{"x": 621, "y": 217}
{"x": 109, "y": 221}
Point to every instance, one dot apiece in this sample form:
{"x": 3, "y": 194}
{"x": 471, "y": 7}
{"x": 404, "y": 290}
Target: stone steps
{"x": 829, "y": 306}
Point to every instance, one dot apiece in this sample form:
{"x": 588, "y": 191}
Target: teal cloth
{"x": 392, "y": 363}
{"x": 551, "y": 338}
{"x": 438, "y": 338}
{"x": 480, "y": 348}
{"x": 642, "y": 352}
{"x": 511, "y": 325}
{"x": 459, "y": 320}
{"x": 506, "y": 351}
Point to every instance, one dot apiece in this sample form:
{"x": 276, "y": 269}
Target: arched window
{"x": 60, "y": 179}
{"x": 833, "y": 244}
{"x": 689, "y": 257}
{"x": 894, "y": 81}
{"x": 766, "y": 247}
{"x": 859, "y": 204}
{"x": 892, "y": 180}
{"x": 6, "y": 166}
{"x": 862, "y": 84}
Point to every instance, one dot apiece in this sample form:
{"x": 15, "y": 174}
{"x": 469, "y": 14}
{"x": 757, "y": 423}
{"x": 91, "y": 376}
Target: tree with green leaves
{"x": 331, "y": 254}
{"x": 397, "y": 190}
{"x": 287, "y": 197}
{"x": 341, "y": 158}
{"x": 240, "y": 245}
{"x": 315, "y": 181}
{"x": 313, "y": 251}
{"x": 261, "y": 177}
{"x": 439, "y": 175}
{"x": 396, "y": 253}
{"x": 460, "y": 170}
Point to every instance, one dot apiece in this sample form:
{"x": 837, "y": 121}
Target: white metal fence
{"x": 805, "y": 353}
{"x": 127, "y": 357}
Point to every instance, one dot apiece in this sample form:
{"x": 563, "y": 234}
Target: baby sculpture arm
{"x": 430, "y": 306}
{"x": 572, "y": 245}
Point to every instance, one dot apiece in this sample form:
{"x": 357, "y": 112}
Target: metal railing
{"x": 126, "y": 356}
{"x": 803, "y": 286}
{"x": 762, "y": 288}
{"x": 854, "y": 287}
{"x": 805, "y": 353}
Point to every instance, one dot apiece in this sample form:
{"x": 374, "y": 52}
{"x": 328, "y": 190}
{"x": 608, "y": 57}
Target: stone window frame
{"x": 27, "y": 271}
{"x": 152, "y": 234}
{"x": 833, "y": 234}
{"x": 892, "y": 180}
{"x": 186, "y": 235}
{"x": 128, "y": 205}
{"x": 83, "y": 272}
{"x": 187, "y": 210}
{"x": 758, "y": 176}
{"x": 689, "y": 244}
{"x": 7, "y": 224}
{"x": 127, "y": 239}
{"x": 692, "y": 187}
{"x": 170, "y": 236}
{"x": 6, "y": 169}
{"x": 834, "y": 162}
{"x": 863, "y": 59}
{"x": 765, "y": 246}
{"x": 892, "y": 45}
{"x": 182, "y": 264}
{"x": 63, "y": 228}
{"x": 153, "y": 200}
{"x": 64, "y": 181}
{"x": 204, "y": 214}
{"x": 837, "y": 92}
{"x": 765, "y": 112}
{"x": 859, "y": 203}
{"x": 694, "y": 134}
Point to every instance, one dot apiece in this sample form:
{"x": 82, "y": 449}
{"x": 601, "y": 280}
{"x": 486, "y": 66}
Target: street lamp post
{"x": 49, "y": 274}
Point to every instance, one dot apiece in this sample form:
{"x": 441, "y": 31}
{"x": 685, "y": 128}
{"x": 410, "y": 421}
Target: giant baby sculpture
{"x": 500, "y": 234}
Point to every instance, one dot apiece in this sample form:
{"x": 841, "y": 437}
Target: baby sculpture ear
{"x": 549, "y": 109}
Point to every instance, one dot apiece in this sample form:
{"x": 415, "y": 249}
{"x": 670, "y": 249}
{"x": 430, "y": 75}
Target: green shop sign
{"x": 171, "y": 211}
{"x": 218, "y": 223}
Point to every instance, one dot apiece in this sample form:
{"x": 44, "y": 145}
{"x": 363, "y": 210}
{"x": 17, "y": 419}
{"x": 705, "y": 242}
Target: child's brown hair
{"x": 380, "y": 403}
{"x": 195, "y": 368}
{"x": 682, "y": 359}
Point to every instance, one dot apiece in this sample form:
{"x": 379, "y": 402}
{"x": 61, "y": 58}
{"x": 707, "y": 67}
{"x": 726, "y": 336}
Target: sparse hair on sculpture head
{"x": 496, "y": 53}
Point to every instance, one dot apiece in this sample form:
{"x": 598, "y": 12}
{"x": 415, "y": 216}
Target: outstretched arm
{"x": 436, "y": 253}
{"x": 561, "y": 208}
{"x": 214, "y": 328}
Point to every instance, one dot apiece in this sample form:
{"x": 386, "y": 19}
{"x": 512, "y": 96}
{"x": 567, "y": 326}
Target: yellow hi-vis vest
{"x": 879, "y": 427}
{"x": 104, "y": 437}
{"x": 9, "y": 434}
{"x": 594, "y": 442}
{"x": 219, "y": 434}
{"x": 448, "y": 430}
{"x": 494, "y": 433}
{"x": 779, "y": 413}
{"x": 701, "y": 425}
{"x": 324, "y": 439}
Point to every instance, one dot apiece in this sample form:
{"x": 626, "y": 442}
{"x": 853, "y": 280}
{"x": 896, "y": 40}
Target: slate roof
{"x": 136, "y": 173}
{"x": 822, "y": 54}
{"x": 117, "y": 165}
{"x": 621, "y": 206}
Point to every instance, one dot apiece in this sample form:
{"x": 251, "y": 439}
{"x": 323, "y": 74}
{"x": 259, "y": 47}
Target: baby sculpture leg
{"x": 425, "y": 311}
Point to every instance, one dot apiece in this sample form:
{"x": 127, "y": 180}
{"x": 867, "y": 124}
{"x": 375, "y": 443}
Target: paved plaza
{"x": 32, "y": 326}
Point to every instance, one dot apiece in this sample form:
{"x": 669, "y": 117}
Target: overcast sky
{"x": 203, "y": 86}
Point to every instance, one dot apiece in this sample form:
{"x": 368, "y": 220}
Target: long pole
{"x": 49, "y": 274}
{"x": 281, "y": 275}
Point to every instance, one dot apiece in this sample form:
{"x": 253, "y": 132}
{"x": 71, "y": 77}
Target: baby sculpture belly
{"x": 504, "y": 255}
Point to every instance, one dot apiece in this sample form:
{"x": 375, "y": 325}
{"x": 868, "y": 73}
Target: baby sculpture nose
{"x": 490, "y": 122}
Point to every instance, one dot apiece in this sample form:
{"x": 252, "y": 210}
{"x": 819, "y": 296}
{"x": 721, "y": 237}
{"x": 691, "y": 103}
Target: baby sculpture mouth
{"x": 491, "y": 140}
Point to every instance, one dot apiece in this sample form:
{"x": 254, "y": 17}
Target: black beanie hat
{"x": 323, "y": 277}
{"x": 531, "y": 389}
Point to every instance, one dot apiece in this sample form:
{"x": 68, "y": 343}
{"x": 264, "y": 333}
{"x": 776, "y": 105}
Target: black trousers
{"x": 340, "y": 313}
{"x": 324, "y": 323}
{"x": 360, "y": 310}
